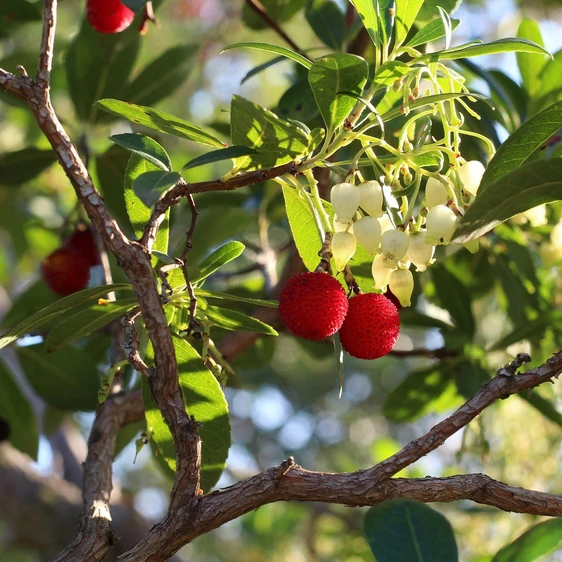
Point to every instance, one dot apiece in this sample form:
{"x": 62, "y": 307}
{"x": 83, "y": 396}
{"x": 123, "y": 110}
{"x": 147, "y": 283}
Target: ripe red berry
{"x": 109, "y": 16}
{"x": 82, "y": 240}
{"x": 65, "y": 271}
{"x": 371, "y": 326}
{"x": 313, "y": 305}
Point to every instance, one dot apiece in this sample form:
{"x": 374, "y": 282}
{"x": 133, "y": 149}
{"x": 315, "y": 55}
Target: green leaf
{"x": 204, "y": 401}
{"x": 470, "y": 376}
{"x": 551, "y": 76}
{"x": 18, "y": 11}
{"x": 59, "y": 307}
{"x": 67, "y": 379}
{"x": 430, "y": 8}
{"x": 529, "y": 66}
{"x": 220, "y": 257}
{"x": 298, "y": 103}
{"x": 544, "y": 406}
{"x": 327, "y": 21}
{"x": 32, "y": 299}
{"x": 367, "y": 10}
{"x": 17, "y": 412}
{"x": 278, "y": 10}
{"x": 283, "y": 51}
{"x": 151, "y": 186}
{"x": 87, "y": 321}
{"x": 230, "y": 152}
{"x": 233, "y": 320}
{"x": 455, "y": 298}
{"x": 406, "y": 531}
{"x": 158, "y": 120}
{"x": 276, "y": 141}
{"x": 508, "y": 45}
{"x": 98, "y": 65}
{"x": 536, "y": 542}
{"x": 425, "y": 391}
{"x": 162, "y": 77}
{"x": 431, "y": 31}
{"x": 406, "y": 12}
{"x": 520, "y": 190}
{"x": 23, "y": 165}
{"x": 235, "y": 298}
{"x": 145, "y": 147}
{"x": 336, "y": 73}
{"x": 411, "y": 317}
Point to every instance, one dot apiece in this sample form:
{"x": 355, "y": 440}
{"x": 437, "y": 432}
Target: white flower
{"x": 401, "y": 283}
{"x": 343, "y": 248}
{"x": 419, "y": 252}
{"x": 345, "y": 199}
{"x": 470, "y": 175}
{"x": 368, "y": 233}
{"x": 380, "y": 273}
{"x": 394, "y": 245}
{"x": 440, "y": 224}
{"x": 371, "y": 198}
{"x": 435, "y": 193}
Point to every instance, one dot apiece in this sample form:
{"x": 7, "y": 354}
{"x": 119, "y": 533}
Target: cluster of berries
{"x": 314, "y": 305}
{"x": 67, "y": 269}
{"x": 109, "y": 16}
{"x": 361, "y": 219}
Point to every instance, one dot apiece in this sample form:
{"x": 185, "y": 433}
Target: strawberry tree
{"x": 382, "y": 171}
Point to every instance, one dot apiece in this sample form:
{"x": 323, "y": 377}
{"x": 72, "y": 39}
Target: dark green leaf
{"x": 135, "y": 5}
{"x": 261, "y": 67}
{"x": 430, "y": 8}
{"x": 411, "y": 317}
{"x": 59, "y": 307}
{"x": 551, "y": 76}
{"x": 283, "y": 51}
{"x": 517, "y": 300}
{"x": 276, "y": 141}
{"x": 234, "y": 298}
{"x": 158, "y": 120}
{"x": 145, "y": 147}
{"x": 231, "y": 152}
{"x": 32, "y": 299}
{"x": 126, "y": 434}
{"x": 327, "y": 21}
{"x": 204, "y": 401}
{"x": 17, "y": 412}
{"x": 18, "y": 11}
{"x": 298, "y": 103}
{"x": 278, "y": 10}
{"x": 24, "y": 165}
{"x": 336, "y": 73}
{"x": 151, "y": 186}
{"x": 431, "y": 31}
{"x": 529, "y": 65}
{"x": 220, "y": 257}
{"x": 470, "y": 376}
{"x": 67, "y": 379}
{"x": 407, "y": 531}
{"x": 233, "y": 320}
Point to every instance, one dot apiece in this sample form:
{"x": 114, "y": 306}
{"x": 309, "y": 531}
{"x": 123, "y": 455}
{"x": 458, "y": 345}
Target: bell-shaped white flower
{"x": 345, "y": 199}
{"x": 380, "y": 273}
{"x": 440, "y": 225}
{"x": 419, "y": 252}
{"x": 470, "y": 175}
{"x": 371, "y": 198}
{"x": 343, "y": 247}
{"x": 435, "y": 193}
{"x": 401, "y": 283}
{"x": 368, "y": 233}
{"x": 394, "y": 245}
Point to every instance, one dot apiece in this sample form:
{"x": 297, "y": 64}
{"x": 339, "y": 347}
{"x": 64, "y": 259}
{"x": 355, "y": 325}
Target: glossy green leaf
{"x": 57, "y": 308}
{"x": 86, "y": 322}
{"x": 235, "y": 298}
{"x": 151, "y": 186}
{"x": 145, "y": 147}
{"x": 406, "y": 12}
{"x": 403, "y": 530}
{"x": 518, "y": 191}
{"x": 67, "y": 379}
{"x": 231, "y": 152}
{"x": 431, "y": 31}
{"x": 98, "y": 66}
{"x": 220, "y": 257}
{"x": 261, "y": 67}
{"x": 234, "y": 320}
{"x": 385, "y": 14}
{"x": 276, "y": 141}
{"x": 327, "y": 21}
{"x": 17, "y": 412}
{"x": 283, "y": 51}
{"x": 551, "y": 76}
{"x": 430, "y": 8}
{"x": 158, "y": 121}
{"x": 336, "y": 73}
{"x": 529, "y": 65}
{"x": 23, "y": 165}
{"x": 425, "y": 391}
{"x": 367, "y": 10}
{"x": 204, "y": 401}
{"x": 508, "y": 45}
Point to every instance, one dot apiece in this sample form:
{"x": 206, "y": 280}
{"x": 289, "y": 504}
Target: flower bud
{"x": 435, "y": 193}
{"x": 394, "y": 245}
{"x": 343, "y": 248}
{"x": 371, "y": 198}
{"x": 440, "y": 224}
{"x": 470, "y": 175}
{"x": 401, "y": 283}
{"x": 419, "y": 252}
{"x": 345, "y": 199}
{"x": 368, "y": 233}
{"x": 380, "y": 273}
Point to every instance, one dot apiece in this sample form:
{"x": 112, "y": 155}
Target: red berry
{"x": 65, "y": 271}
{"x": 109, "y": 16}
{"x": 313, "y": 305}
{"x": 371, "y": 326}
{"x": 82, "y": 240}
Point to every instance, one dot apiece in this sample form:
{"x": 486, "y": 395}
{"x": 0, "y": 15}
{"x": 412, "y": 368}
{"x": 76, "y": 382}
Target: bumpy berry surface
{"x": 82, "y": 240}
{"x": 312, "y": 305}
{"x": 109, "y": 16}
{"x": 371, "y": 326}
{"x": 65, "y": 271}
